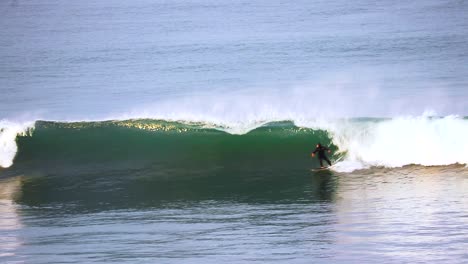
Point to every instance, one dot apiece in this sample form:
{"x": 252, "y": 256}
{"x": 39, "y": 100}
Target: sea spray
{"x": 358, "y": 142}
{"x": 8, "y": 133}
{"x": 401, "y": 141}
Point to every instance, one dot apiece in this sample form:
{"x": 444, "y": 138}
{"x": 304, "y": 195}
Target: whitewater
{"x": 363, "y": 142}
{"x": 368, "y": 127}
{"x": 181, "y": 131}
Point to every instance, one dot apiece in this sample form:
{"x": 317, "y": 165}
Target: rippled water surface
{"x": 411, "y": 215}
{"x": 157, "y": 191}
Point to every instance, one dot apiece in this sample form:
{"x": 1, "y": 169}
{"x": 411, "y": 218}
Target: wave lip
{"x": 8, "y": 133}
{"x": 402, "y": 141}
{"x": 360, "y": 142}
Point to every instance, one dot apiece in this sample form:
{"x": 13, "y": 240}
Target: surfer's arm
{"x": 313, "y": 152}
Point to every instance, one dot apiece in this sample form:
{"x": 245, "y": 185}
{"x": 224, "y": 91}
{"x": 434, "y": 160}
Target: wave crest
{"x": 364, "y": 142}
{"x": 8, "y": 133}
{"x": 402, "y": 141}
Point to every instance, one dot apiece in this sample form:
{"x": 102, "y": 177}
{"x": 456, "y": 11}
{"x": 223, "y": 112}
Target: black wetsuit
{"x": 321, "y": 155}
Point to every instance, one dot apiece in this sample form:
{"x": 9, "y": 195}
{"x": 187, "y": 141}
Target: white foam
{"x": 8, "y": 133}
{"x": 402, "y": 141}
{"x": 392, "y": 142}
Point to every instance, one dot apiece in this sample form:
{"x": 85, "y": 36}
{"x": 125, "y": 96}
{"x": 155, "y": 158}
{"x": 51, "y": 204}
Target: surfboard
{"x": 329, "y": 167}
{"x": 321, "y": 169}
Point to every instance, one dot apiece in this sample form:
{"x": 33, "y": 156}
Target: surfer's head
{"x": 319, "y": 145}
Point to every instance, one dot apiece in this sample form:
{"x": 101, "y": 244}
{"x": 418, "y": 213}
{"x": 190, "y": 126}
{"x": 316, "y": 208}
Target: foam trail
{"x": 402, "y": 141}
{"x": 8, "y": 133}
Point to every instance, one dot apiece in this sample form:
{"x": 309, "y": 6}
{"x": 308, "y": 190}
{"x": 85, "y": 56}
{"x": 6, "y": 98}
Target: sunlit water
{"x": 240, "y": 63}
{"x": 411, "y": 215}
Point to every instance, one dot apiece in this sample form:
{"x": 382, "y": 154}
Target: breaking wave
{"x": 358, "y": 143}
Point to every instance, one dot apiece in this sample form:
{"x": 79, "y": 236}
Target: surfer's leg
{"x": 321, "y": 162}
{"x": 328, "y": 161}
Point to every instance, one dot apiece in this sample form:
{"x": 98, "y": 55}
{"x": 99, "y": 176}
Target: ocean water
{"x": 181, "y": 131}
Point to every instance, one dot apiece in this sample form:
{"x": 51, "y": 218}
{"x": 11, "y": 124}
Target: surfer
{"x": 321, "y": 154}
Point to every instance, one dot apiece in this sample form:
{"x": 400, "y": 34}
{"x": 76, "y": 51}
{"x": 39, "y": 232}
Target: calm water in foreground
{"x": 409, "y": 215}
{"x": 127, "y": 192}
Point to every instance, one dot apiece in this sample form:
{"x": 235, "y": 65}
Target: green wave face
{"x": 144, "y": 163}
{"x": 123, "y": 164}
{"x": 133, "y": 144}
